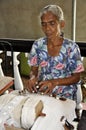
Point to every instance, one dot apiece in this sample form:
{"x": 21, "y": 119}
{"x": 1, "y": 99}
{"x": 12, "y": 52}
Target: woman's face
{"x": 50, "y": 25}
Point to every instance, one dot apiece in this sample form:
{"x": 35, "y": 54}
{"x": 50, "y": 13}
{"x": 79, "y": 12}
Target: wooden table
{"x": 5, "y": 83}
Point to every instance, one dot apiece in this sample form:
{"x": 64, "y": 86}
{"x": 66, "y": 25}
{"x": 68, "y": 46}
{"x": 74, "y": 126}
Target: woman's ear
{"x": 62, "y": 24}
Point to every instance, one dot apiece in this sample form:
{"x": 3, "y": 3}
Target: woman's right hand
{"x": 31, "y": 85}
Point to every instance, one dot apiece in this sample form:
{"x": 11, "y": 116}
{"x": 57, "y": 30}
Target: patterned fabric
{"x": 66, "y": 63}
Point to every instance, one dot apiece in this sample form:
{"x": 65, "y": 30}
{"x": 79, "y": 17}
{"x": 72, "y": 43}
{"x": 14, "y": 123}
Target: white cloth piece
{"x": 30, "y": 111}
{"x": 19, "y": 109}
{"x": 6, "y": 113}
{"x": 53, "y": 108}
{"x": 5, "y": 99}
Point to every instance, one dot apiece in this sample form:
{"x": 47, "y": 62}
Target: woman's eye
{"x": 52, "y": 23}
{"x": 43, "y": 24}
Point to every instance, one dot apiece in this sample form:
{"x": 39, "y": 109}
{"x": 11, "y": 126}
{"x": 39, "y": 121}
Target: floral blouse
{"x": 66, "y": 63}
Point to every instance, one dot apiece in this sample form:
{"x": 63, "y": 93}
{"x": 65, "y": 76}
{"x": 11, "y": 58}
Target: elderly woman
{"x": 55, "y": 60}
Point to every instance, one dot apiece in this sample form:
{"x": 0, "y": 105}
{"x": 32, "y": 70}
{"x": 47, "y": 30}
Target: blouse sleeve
{"x": 76, "y": 64}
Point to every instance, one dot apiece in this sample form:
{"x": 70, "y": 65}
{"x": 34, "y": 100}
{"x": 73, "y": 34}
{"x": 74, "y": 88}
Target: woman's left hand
{"x": 46, "y": 87}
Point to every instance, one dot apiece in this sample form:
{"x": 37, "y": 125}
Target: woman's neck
{"x": 57, "y": 41}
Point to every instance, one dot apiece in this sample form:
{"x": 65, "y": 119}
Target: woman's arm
{"x": 58, "y": 82}
{"x": 34, "y": 72}
{"x": 74, "y": 78}
{"x": 33, "y": 79}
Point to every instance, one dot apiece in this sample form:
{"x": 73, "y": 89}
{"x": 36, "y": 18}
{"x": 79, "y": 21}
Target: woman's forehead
{"x": 48, "y": 16}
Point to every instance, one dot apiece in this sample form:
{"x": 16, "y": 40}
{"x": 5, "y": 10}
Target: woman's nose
{"x": 47, "y": 27}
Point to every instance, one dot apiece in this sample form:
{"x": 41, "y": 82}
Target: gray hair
{"x": 56, "y": 10}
